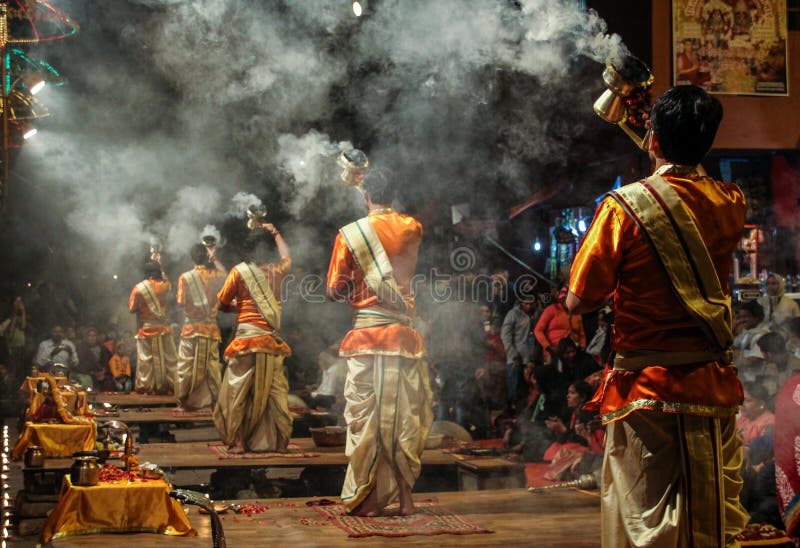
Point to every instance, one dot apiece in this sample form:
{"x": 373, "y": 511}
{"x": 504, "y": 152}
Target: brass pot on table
{"x": 85, "y": 471}
{"x": 34, "y": 457}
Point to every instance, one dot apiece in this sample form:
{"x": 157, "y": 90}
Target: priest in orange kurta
{"x": 670, "y": 398}
{"x": 388, "y": 410}
{"x": 199, "y": 370}
{"x": 252, "y": 413}
{"x": 156, "y": 356}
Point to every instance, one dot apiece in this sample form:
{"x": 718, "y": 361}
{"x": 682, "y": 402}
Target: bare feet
{"x": 406, "y": 501}
{"x": 236, "y": 449}
{"x": 368, "y": 507}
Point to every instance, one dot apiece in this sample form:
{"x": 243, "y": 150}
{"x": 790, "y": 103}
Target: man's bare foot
{"x": 180, "y": 409}
{"x": 406, "y": 501}
{"x": 236, "y": 449}
{"x": 368, "y": 507}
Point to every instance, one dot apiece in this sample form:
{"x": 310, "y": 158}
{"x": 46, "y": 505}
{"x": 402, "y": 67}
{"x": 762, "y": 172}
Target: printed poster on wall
{"x": 730, "y": 46}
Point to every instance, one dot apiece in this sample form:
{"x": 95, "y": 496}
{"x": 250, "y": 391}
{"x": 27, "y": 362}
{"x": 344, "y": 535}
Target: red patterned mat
{"x": 429, "y": 519}
{"x": 221, "y": 452}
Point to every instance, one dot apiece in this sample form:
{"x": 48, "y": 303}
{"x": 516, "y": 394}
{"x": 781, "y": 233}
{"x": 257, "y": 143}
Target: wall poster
{"x": 731, "y": 46}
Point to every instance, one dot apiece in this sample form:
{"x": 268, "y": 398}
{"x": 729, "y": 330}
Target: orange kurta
{"x": 247, "y": 311}
{"x": 197, "y": 323}
{"x": 615, "y": 258}
{"x": 137, "y": 304}
{"x": 401, "y": 236}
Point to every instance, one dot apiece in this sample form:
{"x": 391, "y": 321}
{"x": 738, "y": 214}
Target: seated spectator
{"x": 583, "y": 435}
{"x": 88, "y": 358}
{"x": 573, "y": 363}
{"x": 56, "y": 349}
{"x": 787, "y": 457}
{"x": 329, "y": 393}
{"x": 778, "y": 308}
{"x": 599, "y": 348}
{"x": 119, "y": 367}
{"x": 555, "y": 323}
{"x": 755, "y": 418}
{"x": 779, "y": 363}
{"x": 104, "y": 382}
{"x": 758, "y": 494}
{"x": 527, "y": 435}
{"x": 750, "y": 325}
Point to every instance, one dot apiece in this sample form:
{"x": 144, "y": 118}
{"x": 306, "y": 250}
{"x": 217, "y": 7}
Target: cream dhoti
{"x": 254, "y": 399}
{"x": 388, "y": 416}
{"x": 199, "y": 372}
{"x": 671, "y": 480}
{"x": 156, "y": 363}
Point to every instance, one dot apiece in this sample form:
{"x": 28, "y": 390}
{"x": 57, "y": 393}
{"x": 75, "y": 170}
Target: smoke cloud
{"x": 178, "y": 112}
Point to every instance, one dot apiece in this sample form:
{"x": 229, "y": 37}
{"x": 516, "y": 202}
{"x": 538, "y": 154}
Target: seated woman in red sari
{"x": 583, "y": 435}
{"x": 755, "y": 418}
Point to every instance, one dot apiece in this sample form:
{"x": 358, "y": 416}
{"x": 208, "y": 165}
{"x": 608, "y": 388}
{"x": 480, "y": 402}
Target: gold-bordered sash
{"x": 151, "y": 300}
{"x": 658, "y": 211}
{"x": 197, "y": 293}
{"x": 372, "y": 260}
{"x": 256, "y": 283}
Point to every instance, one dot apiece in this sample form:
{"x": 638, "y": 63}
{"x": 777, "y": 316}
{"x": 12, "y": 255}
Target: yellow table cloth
{"x": 57, "y": 440}
{"x": 119, "y": 507}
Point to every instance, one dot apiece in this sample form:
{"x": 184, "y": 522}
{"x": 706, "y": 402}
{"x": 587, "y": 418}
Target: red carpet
{"x": 221, "y": 452}
{"x": 430, "y": 519}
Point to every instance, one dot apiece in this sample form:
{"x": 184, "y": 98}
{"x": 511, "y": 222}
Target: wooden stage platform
{"x": 197, "y": 455}
{"x": 120, "y": 399}
{"x": 164, "y": 415}
{"x": 557, "y": 519}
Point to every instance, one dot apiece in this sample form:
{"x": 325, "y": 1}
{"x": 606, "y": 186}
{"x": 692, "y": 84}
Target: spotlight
{"x": 34, "y": 82}
{"x": 357, "y": 9}
{"x": 537, "y": 245}
{"x": 115, "y": 276}
{"x": 582, "y": 225}
{"x": 28, "y": 130}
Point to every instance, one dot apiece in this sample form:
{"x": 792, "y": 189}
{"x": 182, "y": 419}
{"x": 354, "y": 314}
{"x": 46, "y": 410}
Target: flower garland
{"x": 63, "y": 412}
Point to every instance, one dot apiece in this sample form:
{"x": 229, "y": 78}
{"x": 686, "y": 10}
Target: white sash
{"x": 256, "y": 283}
{"x": 151, "y": 300}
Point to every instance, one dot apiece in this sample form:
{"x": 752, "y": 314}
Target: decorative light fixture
{"x": 27, "y": 130}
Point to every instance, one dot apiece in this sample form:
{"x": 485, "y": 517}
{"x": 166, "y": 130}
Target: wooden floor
{"x": 197, "y": 455}
{"x": 558, "y": 519}
{"x": 155, "y": 415}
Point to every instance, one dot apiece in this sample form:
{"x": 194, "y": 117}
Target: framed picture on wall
{"x": 731, "y": 46}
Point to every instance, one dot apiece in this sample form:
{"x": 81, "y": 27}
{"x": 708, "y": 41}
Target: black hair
{"x": 152, "y": 270}
{"x": 377, "y": 185}
{"x": 772, "y": 342}
{"x": 199, "y": 254}
{"x": 565, "y": 343}
{"x": 584, "y": 390}
{"x": 755, "y": 309}
{"x": 257, "y": 247}
{"x": 685, "y": 120}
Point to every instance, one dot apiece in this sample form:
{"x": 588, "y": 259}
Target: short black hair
{"x": 584, "y": 390}
{"x": 376, "y": 183}
{"x": 685, "y": 120}
{"x": 199, "y": 254}
{"x": 772, "y": 342}
{"x": 754, "y": 308}
{"x": 152, "y": 270}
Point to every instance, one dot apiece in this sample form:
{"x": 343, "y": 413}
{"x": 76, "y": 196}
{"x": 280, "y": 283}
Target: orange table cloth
{"x": 116, "y": 507}
{"x": 57, "y": 440}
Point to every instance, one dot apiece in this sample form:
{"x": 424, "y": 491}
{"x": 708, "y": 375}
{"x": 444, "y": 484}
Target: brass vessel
{"x": 34, "y": 457}
{"x": 85, "y": 471}
{"x": 622, "y": 77}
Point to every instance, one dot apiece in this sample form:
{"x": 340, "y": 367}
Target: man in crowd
{"x": 520, "y": 345}
{"x": 55, "y": 350}
{"x": 252, "y": 413}
{"x": 199, "y": 371}
{"x": 156, "y": 357}
{"x": 672, "y": 457}
{"x": 750, "y": 325}
{"x": 88, "y": 358}
{"x": 388, "y": 410}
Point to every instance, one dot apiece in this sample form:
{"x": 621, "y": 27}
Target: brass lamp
{"x": 256, "y": 215}
{"x": 354, "y": 164}
{"x": 622, "y": 78}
